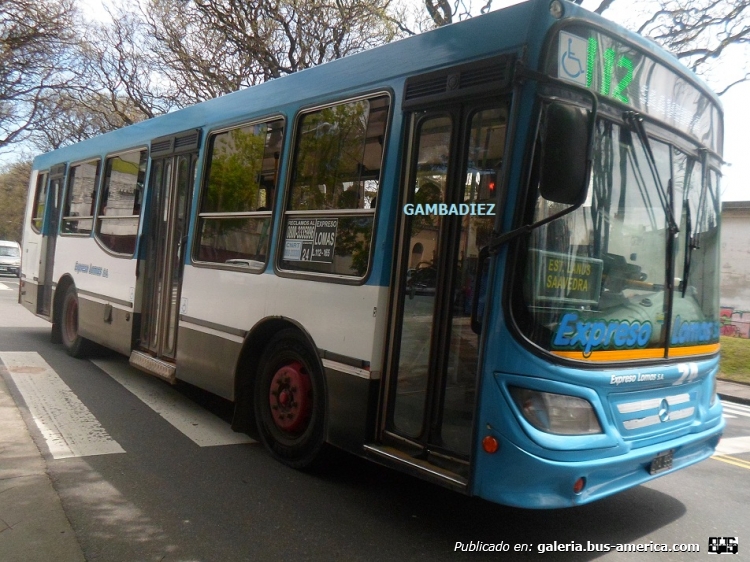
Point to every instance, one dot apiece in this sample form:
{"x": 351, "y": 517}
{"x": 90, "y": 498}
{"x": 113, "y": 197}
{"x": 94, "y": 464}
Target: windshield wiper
{"x": 690, "y": 245}
{"x": 635, "y": 120}
{"x": 692, "y": 241}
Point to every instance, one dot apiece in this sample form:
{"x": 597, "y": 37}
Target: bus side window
{"x": 83, "y": 180}
{"x": 334, "y": 188}
{"x": 120, "y": 201}
{"x": 40, "y": 202}
{"x": 238, "y": 195}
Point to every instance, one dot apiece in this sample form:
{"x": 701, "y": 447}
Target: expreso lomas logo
{"x": 573, "y": 333}
{"x": 587, "y": 336}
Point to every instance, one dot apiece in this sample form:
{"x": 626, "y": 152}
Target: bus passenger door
{"x": 172, "y": 177}
{"x": 454, "y": 166}
{"x": 49, "y": 240}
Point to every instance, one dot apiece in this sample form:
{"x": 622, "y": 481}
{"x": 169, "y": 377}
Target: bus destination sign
{"x": 617, "y": 71}
{"x": 565, "y": 278}
{"x": 310, "y": 240}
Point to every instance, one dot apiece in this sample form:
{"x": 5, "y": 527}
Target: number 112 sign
{"x": 580, "y": 60}
{"x": 635, "y": 78}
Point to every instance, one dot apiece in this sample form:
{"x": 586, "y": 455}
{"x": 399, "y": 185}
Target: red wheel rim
{"x": 290, "y": 398}
{"x": 70, "y": 324}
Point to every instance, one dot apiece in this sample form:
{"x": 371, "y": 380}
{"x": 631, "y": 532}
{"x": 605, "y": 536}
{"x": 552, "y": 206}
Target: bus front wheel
{"x": 290, "y": 401}
{"x": 75, "y": 344}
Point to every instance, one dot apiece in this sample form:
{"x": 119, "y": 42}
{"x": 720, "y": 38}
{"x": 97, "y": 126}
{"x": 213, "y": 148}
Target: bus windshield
{"x": 596, "y": 284}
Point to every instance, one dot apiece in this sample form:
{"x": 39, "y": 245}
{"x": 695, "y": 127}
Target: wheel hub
{"x": 290, "y": 398}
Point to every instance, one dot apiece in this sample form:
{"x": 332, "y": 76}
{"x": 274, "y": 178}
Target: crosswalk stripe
{"x": 736, "y": 406}
{"x": 737, "y": 412}
{"x": 733, "y": 445}
{"x": 729, "y": 416}
{"x": 199, "y": 425}
{"x": 4, "y": 287}
{"x": 67, "y": 426}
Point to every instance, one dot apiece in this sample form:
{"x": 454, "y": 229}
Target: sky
{"x": 736, "y": 170}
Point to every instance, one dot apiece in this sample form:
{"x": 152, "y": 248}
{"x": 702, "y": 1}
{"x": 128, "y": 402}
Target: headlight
{"x": 556, "y": 413}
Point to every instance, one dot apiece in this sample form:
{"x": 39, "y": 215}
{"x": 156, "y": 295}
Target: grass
{"x": 735, "y": 359}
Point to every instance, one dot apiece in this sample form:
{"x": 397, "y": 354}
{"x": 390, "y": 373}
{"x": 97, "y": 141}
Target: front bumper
{"x": 518, "y": 478}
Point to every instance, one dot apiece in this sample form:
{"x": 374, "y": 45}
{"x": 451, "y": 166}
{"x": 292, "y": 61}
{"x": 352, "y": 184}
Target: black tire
{"x": 75, "y": 344}
{"x": 291, "y": 413}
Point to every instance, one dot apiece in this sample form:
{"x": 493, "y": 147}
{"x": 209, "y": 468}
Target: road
{"x": 167, "y": 482}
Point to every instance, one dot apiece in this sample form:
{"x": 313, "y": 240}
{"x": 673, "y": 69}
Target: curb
{"x": 734, "y": 398}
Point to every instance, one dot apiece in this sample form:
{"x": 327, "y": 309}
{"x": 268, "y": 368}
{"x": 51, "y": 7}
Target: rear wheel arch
{"x": 256, "y": 342}
{"x": 60, "y": 289}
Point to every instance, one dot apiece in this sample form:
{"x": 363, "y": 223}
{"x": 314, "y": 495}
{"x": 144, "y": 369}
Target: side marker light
{"x": 579, "y": 485}
{"x": 490, "y": 444}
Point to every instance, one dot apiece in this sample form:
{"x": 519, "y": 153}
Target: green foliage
{"x": 735, "y": 359}
{"x": 330, "y": 153}
{"x": 14, "y": 182}
{"x": 236, "y": 165}
{"x": 353, "y": 239}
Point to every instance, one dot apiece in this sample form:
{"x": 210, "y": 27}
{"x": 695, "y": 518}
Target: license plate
{"x": 662, "y": 461}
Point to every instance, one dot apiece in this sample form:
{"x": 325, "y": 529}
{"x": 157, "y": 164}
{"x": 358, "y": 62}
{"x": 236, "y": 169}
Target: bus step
{"x": 396, "y": 458}
{"x": 153, "y": 366}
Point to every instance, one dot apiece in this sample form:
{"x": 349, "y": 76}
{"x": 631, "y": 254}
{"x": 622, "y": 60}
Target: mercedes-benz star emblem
{"x": 664, "y": 410}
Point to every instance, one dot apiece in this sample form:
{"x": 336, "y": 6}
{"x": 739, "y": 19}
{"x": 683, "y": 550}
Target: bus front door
{"x": 172, "y": 179}
{"x": 448, "y": 217}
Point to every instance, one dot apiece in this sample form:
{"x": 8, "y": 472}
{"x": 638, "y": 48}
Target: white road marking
{"x": 728, "y": 416}
{"x": 733, "y": 446}
{"x": 736, "y": 405}
{"x": 734, "y": 410}
{"x": 68, "y": 427}
{"x": 4, "y": 287}
{"x": 199, "y": 425}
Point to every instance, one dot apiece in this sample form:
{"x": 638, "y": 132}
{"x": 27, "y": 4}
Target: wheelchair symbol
{"x": 571, "y": 64}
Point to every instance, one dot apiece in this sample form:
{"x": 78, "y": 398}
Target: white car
{"x": 10, "y": 257}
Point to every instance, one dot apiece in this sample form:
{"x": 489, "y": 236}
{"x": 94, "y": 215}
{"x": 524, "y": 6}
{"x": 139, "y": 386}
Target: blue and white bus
{"x": 486, "y": 255}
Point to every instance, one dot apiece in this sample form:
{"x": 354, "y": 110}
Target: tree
{"x": 63, "y": 80}
{"x": 442, "y": 12}
{"x": 35, "y": 44}
{"x": 115, "y": 83}
{"x": 699, "y": 33}
{"x": 14, "y": 182}
{"x": 213, "y": 47}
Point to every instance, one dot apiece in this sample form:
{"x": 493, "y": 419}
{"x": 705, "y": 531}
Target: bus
{"x": 486, "y": 255}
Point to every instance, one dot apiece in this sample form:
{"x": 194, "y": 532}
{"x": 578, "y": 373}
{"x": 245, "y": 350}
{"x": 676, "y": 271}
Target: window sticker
{"x": 310, "y": 240}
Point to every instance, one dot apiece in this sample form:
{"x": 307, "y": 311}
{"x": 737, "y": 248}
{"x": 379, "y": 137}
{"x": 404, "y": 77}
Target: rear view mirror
{"x": 564, "y": 154}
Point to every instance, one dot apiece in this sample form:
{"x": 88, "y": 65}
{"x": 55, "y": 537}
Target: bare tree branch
{"x": 36, "y": 37}
{"x": 603, "y": 6}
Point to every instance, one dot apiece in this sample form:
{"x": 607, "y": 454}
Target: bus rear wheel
{"x": 75, "y": 344}
{"x": 289, "y": 401}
